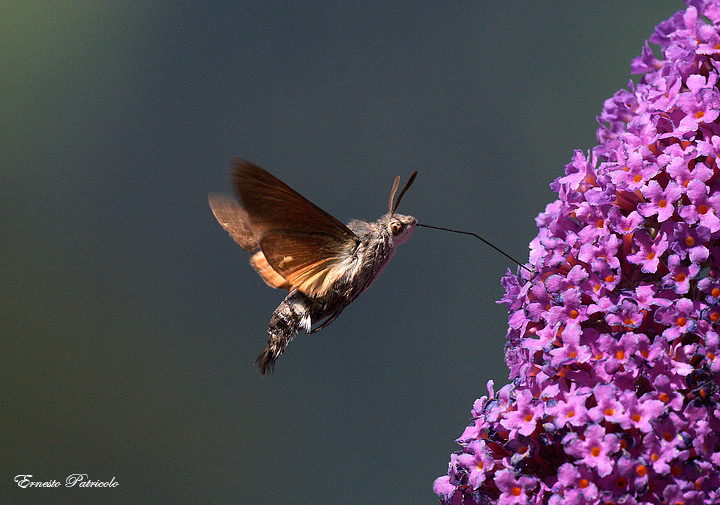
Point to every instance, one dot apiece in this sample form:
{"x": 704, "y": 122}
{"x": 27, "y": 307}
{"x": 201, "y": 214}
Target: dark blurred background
{"x": 130, "y": 320}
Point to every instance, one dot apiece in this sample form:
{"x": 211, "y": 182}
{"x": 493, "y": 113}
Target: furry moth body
{"x": 297, "y": 246}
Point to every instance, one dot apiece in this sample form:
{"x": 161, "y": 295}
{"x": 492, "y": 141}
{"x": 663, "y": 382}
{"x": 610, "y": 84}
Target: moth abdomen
{"x": 291, "y": 316}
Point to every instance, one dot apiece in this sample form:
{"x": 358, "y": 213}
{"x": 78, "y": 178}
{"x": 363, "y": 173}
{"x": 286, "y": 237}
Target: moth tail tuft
{"x": 266, "y": 361}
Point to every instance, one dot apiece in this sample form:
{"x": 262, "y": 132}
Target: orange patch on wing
{"x": 268, "y": 273}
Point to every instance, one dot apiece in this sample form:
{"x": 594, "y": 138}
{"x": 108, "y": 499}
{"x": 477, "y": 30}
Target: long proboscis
{"x": 479, "y": 237}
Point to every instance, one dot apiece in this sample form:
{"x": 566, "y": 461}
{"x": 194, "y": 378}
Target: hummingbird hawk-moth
{"x": 299, "y": 247}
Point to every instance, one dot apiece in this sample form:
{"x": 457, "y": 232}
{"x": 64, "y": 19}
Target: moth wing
{"x": 273, "y": 206}
{"x": 310, "y": 262}
{"x": 235, "y": 220}
{"x": 268, "y": 273}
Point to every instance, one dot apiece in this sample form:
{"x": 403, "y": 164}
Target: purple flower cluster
{"x": 613, "y": 344}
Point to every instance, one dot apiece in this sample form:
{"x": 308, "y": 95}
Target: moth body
{"x": 297, "y": 246}
{"x": 299, "y": 311}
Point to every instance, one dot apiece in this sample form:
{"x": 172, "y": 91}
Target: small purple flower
{"x": 667, "y": 391}
{"x": 524, "y": 419}
{"x": 703, "y": 206}
{"x": 661, "y": 452}
{"x": 620, "y": 353}
{"x": 660, "y": 201}
{"x": 609, "y": 408}
{"x": 627, "y": 314}
{"x": 621, "y": 223}
{"x": 680, "y": 274}
{"x": 514, "y": 490}
{"x": 648, "y": 251}
{"x": 677, "y": 318}
{"x": 570, "y": 314}
{"x": 678, "y": 165}
{"x": 602, "y": 255}
{"x": 571, "y": 410}
{"x": 576, "y": 484}
{"x": 645, "y": 296}
{"x": 570, "y": 352}
{"x": 478, "y": 461}
{"x": 710, "y": 147}
{"x": 580, "y": 173}
{"x": 595, "y": 448}
{"x": 444, "y": 488}
{"x": 712, "y": 352}
{"x": 690, "y": 242}
{"x": 645, "y": 62}
{"x": 635, "y": 171}
{"x": 700, "y": 104}
{"x": 676, "y": 494}
{"x": 640, "y": 412}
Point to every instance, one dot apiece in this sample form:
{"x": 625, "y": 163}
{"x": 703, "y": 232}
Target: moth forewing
{"x": 273, "y": 206}
{"x": 233, "y": 218}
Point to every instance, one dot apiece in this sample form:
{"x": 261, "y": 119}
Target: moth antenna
{"x": 407, "y": 186}
{"x": 479, "y": 237}
{"x": 394, "y": 189}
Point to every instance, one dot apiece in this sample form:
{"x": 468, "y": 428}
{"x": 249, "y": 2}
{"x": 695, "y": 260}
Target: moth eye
{"x": 396, "y": 227}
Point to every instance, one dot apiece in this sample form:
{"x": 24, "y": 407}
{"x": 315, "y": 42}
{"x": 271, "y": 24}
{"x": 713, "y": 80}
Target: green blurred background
{"x": 130, "y": 320}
